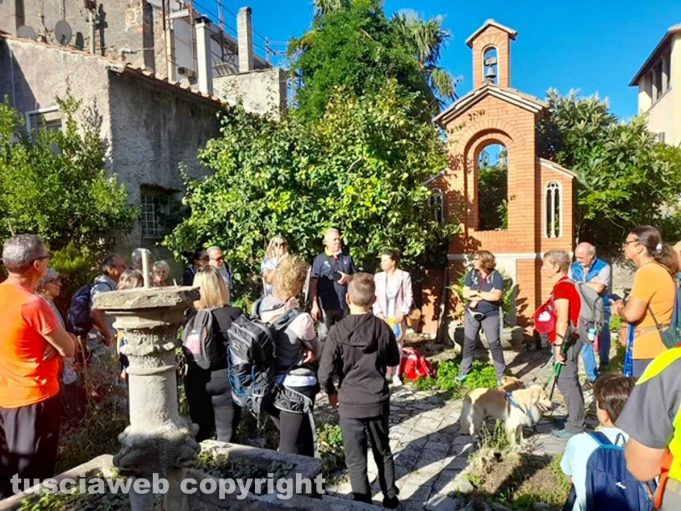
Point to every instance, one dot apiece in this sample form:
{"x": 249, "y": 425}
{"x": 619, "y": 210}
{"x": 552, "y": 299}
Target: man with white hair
{"x": 330, "y": 275}
{"x": 597, "y": 274}
{"x": 216, "y": 259}
{"x": 32, "y": 340}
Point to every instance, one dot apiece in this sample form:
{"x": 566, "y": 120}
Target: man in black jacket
{"x": 358, "y": 350}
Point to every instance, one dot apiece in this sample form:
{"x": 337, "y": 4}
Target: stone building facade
{"x": 147, "y": 70}
{"x": 659, "y": 94}
{"x": 150, "y": 125}
{"x": 540, "y": 192}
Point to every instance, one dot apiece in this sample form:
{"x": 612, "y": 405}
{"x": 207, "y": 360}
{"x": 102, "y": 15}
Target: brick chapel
{"x": 539, "y": 211}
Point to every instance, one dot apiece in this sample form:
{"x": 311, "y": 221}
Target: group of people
{"x": 348, "y": 346}
{"x": 649, "y": 376}
{"x": 361, "y": 318}
{"x": 340, "y": 340}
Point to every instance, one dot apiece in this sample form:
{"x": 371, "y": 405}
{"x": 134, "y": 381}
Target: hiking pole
{"x": 557, "y": 367}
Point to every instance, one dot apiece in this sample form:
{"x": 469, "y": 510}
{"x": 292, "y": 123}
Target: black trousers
{"x": 28, "y": 442}
{"x": 356, "y": 432}
{"x": 295, "y": 430}
{"x": 210, "y": 403}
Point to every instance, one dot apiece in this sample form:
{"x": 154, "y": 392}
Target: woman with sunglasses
{"x": 484, "y": 290}
{"x": 650, "y": 305}
{"x": 73, "y": 393}
{"x": 277, "y": 249}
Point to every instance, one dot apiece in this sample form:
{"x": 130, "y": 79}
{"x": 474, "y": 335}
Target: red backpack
{"x": 414, "y": 365}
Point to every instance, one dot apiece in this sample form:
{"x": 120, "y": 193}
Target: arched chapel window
{"x": 490, "y": 65}
{"x": 437, "y": 204}
{"x": 553, "y": 209}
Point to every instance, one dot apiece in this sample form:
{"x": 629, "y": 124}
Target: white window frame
{"x": 550, "y": 230}
{"x": 31, "y": 114}
{"x": 150, "y": 219}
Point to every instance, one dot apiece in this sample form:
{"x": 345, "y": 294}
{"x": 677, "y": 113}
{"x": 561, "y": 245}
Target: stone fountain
{"x": 158, "y": 440}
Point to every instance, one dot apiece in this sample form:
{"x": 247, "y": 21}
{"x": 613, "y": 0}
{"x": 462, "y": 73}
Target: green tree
{"x": 54, "y": 184}
{"x": 353, "y": 45}
{"x": 625, "y": 177}
{"x": 361, "y": 167}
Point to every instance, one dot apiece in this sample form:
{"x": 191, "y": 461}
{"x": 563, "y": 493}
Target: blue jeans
{"x": 588, "y": 356}
{"x": 589, "y": 359}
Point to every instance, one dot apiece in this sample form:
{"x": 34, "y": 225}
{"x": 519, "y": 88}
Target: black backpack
{"x": 78, "y": 317}
{"x": 201, "y": 345}
{"x": 252, "y": 354}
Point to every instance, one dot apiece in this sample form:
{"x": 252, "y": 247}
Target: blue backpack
{"x": 609, "y": 485}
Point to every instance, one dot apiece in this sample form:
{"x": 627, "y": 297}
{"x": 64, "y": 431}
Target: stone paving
{"x": 430, "y": 453}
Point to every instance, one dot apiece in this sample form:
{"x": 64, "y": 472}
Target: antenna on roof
{"x": 63, "y": 32}
{"x": 26, "y": 32}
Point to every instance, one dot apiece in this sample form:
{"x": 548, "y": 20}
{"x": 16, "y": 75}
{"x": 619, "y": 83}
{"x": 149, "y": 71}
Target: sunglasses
{"x": 625, "y": 243}
{"x": 48, "y": 256}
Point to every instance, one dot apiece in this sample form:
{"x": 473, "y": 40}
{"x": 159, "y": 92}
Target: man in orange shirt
{"x": 32, "y": 339}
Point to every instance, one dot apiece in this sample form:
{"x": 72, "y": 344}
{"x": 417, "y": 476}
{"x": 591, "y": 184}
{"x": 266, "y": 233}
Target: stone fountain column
{"x": 158, "y": 440}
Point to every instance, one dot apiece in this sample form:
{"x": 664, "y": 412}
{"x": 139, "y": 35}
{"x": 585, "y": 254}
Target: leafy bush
{"x": 361, "y": 168}
{"x": 105, "y": 418}
{"x": 481, "y": 375}
{"x": 330, "y": 445}
{"x": 54, "y": 183}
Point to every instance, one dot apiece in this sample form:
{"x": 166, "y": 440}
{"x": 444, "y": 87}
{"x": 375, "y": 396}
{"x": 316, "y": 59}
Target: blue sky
{"x": 595, "y": 46}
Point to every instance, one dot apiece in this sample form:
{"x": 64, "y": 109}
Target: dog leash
{"x": 515, "y": 404}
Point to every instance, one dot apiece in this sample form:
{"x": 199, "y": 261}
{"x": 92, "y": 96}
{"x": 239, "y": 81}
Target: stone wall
{"x": 33, "y": 75}
{"x": 155, "y": 128}
{"x": 262, "y": 90}
{"x": 121, "y": 25}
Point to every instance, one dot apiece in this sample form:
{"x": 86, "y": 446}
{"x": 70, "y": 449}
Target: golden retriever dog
{"x": 517, "y": 408}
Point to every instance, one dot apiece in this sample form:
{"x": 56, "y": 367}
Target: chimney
{"x": 205, "y": 68}
{"x": 245, "y": 31}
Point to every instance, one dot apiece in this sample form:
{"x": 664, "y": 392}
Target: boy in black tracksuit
{"x": 358, "y": 350}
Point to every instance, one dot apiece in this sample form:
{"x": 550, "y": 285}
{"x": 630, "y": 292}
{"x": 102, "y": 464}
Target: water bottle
{"x": 591, "y": 334}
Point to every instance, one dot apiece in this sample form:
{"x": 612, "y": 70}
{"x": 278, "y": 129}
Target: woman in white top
{"x": 394, "y": 298}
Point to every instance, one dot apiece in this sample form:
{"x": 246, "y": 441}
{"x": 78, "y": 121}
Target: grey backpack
{"x": 591, "y": 312}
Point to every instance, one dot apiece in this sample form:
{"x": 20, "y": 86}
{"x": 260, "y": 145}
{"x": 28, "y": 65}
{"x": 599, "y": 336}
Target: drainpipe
{"x": 93, "y": 26}
{"x": 245, "y": 35}
{"x": 205, "y": 70}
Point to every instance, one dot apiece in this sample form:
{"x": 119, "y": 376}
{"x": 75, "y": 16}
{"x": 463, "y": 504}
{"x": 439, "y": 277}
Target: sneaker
{"x": 562, "y": 434}
{"x": 461, "y": 378}
{"x": 397, "y": 381}
{"x": 559, "y": 423}
{"x": 391, "y": 502}
{"x": 588, "y": 386}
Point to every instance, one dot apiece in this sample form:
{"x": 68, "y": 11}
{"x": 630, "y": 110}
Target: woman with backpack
{"x": 650, "y": 306}
{"x": 297, "y": 349}
{"x": 206, "y": 383}
{"x": 484, "y": 291}
{"x": 394, "y": 300}
{"x": 566, "y": 344}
